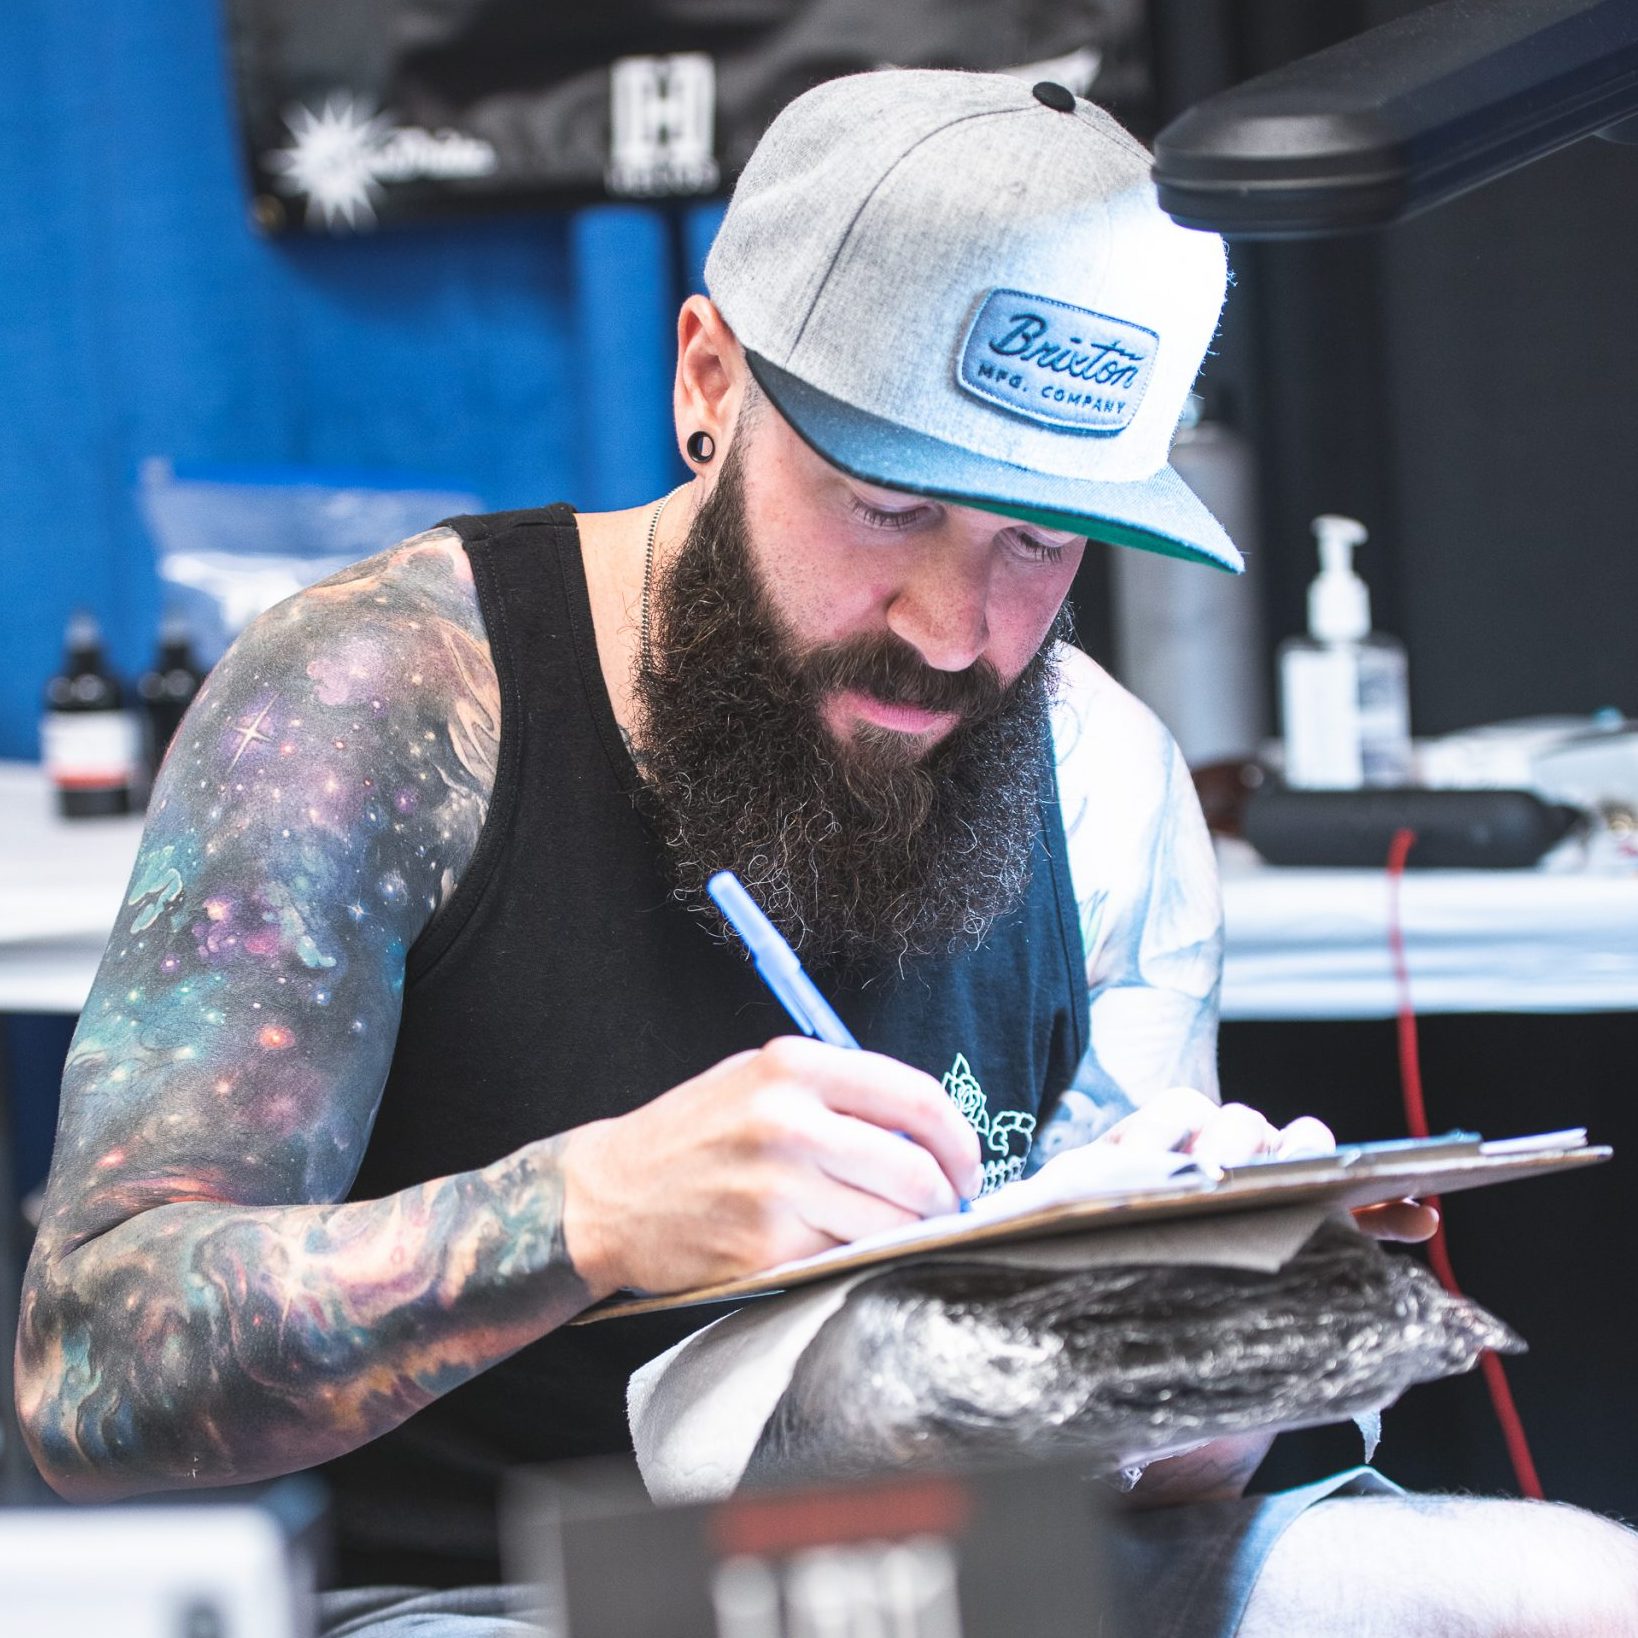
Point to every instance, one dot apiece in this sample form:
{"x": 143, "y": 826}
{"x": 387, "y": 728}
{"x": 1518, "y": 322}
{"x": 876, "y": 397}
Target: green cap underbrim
{"x": 1155, "y": 514}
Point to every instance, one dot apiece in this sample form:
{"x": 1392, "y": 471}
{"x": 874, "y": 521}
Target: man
{"x": 415, "y": 1038}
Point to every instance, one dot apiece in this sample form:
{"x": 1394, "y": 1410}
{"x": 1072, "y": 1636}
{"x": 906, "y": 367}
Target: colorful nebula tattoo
{"x": 183, "y": 1321}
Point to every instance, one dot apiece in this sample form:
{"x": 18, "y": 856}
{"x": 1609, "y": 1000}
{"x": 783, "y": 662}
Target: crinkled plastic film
{"x": 949, "y": 1361}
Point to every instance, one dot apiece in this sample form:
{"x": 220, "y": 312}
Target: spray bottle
{"x": 1344, "y": 694}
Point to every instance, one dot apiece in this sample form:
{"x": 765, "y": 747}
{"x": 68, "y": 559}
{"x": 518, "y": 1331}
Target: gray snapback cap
{"x": 959, "y": 286}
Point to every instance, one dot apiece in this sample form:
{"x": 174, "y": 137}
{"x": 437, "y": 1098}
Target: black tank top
{"x": 561, "y": 984}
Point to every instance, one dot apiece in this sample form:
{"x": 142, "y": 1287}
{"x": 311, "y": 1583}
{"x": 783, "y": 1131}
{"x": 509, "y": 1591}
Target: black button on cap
{"x": 1054, "y": 96}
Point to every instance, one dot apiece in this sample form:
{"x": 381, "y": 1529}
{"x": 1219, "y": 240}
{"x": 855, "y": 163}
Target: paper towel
{"x": 697, "y": 1411}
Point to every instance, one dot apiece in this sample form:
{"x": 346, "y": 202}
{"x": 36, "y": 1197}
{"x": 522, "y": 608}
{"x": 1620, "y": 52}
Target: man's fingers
{"x": 888, "y": 1094}
{"x": 1234, "y": 1135}
{"x": 1410, "y": 1221}
{"x": 1303, "y": 1137}
{"x": 1167, "y": 1120}
{"x": 846, "y": 1214}
{"x": 1228, "y": 1135}
{"x": 868, "y": 1157}
{"x": 1183, "y": 1119}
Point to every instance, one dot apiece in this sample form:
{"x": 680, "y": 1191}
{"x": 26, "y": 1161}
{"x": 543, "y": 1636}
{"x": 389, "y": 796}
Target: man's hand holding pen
{"x": 768, "y": 1156}
{"x": 798, "y": 1147}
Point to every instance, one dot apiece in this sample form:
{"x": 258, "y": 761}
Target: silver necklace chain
{"x": 646, "y": 652}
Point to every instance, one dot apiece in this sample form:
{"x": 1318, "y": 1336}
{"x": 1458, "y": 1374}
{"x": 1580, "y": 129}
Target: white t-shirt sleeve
{"x": 1151, "y": 910}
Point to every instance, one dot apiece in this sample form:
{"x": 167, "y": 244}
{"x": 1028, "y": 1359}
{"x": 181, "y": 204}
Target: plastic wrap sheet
{"x": 941, "y": 1361}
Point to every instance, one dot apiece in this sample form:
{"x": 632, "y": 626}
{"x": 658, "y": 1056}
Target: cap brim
{"x": 1158, "y": 514}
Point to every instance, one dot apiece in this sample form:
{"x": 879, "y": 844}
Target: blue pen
{"x": 778, "y": 967}
{"x": 777, "y": 964}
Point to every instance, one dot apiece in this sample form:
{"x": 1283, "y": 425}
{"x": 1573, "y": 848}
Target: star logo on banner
{"x": 333, "y": 158}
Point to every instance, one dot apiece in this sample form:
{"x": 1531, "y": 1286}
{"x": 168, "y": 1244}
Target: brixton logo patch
{"x": 1060, "y": 365}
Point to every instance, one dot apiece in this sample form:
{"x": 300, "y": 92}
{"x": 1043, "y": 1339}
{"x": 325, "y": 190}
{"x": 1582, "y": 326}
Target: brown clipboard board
{"x": 1334, "y": 1180}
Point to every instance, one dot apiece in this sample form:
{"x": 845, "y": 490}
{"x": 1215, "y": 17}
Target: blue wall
{"x": 526, "y": 358}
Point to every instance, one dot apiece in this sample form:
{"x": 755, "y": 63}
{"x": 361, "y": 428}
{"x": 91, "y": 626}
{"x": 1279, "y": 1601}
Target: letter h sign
{"x": 662, "y": 124}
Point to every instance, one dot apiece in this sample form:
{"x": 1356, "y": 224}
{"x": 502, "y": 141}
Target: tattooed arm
{"x": 1150, "y": 907}
{"x": 197, "y": 1308}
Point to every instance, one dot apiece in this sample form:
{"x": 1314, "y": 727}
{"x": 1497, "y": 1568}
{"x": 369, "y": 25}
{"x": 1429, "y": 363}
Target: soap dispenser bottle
{"x": 1344, "y": 693}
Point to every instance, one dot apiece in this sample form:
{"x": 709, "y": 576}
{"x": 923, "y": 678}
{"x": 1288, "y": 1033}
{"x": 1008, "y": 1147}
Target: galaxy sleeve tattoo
{"x": 198, "y": 1309}
{"x": 1150, "y": 907}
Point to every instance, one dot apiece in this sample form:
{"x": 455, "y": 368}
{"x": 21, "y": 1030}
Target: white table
{"x": 1314, "y": 943}
{"x": 61, "y": 883}
{"x": 1301, "y": 943}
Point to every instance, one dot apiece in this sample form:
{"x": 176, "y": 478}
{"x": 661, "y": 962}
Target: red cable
{"x": 1416, "y": 1122}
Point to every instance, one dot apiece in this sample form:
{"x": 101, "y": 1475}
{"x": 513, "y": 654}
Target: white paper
{"x": 1573, "y": 1137}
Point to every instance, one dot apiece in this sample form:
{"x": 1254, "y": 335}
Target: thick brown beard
{"x": 863, "y": 854}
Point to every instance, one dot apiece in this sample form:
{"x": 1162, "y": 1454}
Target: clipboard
{"x": 1353, "y": 1175}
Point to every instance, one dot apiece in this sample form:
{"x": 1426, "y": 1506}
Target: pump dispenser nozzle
{"x": 1339, "y": 602}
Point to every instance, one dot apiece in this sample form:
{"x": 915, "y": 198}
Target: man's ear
{"x": 711, "y": 376}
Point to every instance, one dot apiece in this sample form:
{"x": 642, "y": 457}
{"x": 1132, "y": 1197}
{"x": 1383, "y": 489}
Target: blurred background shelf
{"x": 1313, "y": 944}
{"x": 1302, "y": 944}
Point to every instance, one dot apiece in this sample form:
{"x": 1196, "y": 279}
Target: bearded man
{"x": 417, "y": 1036}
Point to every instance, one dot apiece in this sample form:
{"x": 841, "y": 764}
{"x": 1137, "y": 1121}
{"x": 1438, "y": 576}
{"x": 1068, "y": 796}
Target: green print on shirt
{"x": 1006, "y": 1137}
